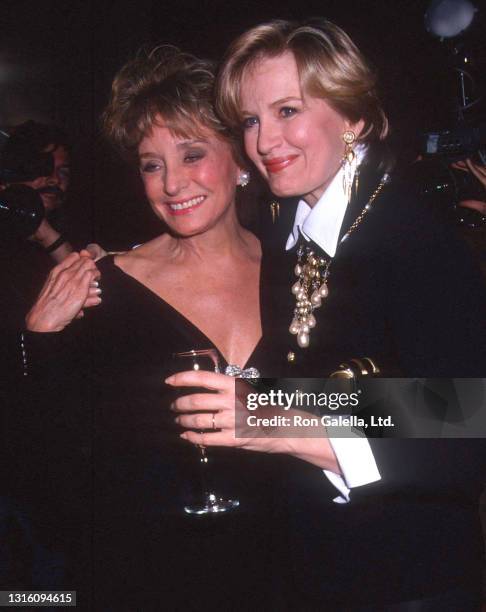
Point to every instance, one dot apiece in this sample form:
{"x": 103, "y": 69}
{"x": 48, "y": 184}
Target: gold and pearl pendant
{"x": 312, "y": 274}
{"x": 309, "y": 291}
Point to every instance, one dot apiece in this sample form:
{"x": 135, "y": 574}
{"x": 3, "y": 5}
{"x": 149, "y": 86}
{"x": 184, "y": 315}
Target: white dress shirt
{"x": 322, "y": 224}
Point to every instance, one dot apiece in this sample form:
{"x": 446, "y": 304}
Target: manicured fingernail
{"x": 169, "y": 380}
{"x": 183, "y": 436}
{"x": 94, "y": 284}
{"x": 98, "y": 291}
{"x": 177, "y": 420}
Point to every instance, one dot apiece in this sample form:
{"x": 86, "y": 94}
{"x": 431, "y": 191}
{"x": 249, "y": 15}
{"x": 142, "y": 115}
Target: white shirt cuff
{"x": 358, "y": 466}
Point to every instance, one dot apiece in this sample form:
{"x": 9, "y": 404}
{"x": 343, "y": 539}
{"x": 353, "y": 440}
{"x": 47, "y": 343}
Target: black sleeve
{"x": 449, "y": 467}
{"x": 47, "y": 431}
{"x": 437, "y": 312}
{"x": 437, "y": 296}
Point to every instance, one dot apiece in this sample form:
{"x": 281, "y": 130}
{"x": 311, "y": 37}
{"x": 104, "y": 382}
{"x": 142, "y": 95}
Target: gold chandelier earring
{"x": 349, "y": 162}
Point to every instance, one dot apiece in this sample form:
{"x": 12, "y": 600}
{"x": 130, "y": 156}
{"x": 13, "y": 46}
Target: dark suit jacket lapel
{"x": 369, "y": 179}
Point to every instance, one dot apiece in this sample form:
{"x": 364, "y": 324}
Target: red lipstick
{"x": 277, "y": 164}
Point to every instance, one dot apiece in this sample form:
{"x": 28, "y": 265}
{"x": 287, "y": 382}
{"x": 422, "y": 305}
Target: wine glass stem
{"x": 204, "y": 461}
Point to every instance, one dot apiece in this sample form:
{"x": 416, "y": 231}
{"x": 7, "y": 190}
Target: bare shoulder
{"x": 144, "y": 256}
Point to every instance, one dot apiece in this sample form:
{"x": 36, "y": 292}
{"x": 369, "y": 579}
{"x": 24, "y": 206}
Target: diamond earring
{"x": 244, "y": 178}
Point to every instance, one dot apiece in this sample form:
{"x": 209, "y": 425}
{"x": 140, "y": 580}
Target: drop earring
{"x": 349, "y": 163}
{"x": 275, "y": 210}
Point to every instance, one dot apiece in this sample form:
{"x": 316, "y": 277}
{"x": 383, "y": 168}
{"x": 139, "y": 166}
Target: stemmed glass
{"x": 211, "y": 502}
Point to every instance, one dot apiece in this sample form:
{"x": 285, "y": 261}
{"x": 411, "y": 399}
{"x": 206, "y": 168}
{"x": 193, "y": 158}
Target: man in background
{"x": 38, "y": 156}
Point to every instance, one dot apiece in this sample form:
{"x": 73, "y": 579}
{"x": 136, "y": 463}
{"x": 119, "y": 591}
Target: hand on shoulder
{"x": 70, "y": 287}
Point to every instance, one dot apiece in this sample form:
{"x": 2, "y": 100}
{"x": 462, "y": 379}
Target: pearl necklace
{"x": 312, "y": 273}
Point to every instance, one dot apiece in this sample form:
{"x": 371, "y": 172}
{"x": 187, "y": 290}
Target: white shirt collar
{"x": 322, "y": 223}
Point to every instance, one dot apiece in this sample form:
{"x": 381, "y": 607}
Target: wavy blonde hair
{"x": 330, "y": 66}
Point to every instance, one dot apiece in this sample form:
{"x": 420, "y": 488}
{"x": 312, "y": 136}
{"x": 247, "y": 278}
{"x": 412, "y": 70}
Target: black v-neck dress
{"x": 144, "y": 474}
{"x": 131, "y": 545}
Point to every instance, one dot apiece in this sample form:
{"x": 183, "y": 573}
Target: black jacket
{"x": 404, "y": 290}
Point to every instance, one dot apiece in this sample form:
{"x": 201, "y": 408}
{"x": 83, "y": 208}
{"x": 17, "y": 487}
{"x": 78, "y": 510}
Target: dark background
{"x": 57, "y": 60}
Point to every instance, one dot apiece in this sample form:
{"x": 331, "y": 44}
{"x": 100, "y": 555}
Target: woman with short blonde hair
{"x": 366, "y": 274}
{"x": 329, "y": 64}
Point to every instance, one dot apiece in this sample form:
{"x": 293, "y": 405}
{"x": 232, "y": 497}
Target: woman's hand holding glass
{"x": 207, "y": 411}
{"x": 218, "y": 411}
{"x": 202, "y": 360}
{"x": 70, "y": 288}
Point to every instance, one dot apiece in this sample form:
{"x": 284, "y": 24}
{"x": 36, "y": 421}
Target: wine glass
{"x": 211, "y": 502}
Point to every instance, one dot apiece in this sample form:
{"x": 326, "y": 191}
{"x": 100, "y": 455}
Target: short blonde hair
{"x": 166, "y": 84}
{"x": 330, "y": 66}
